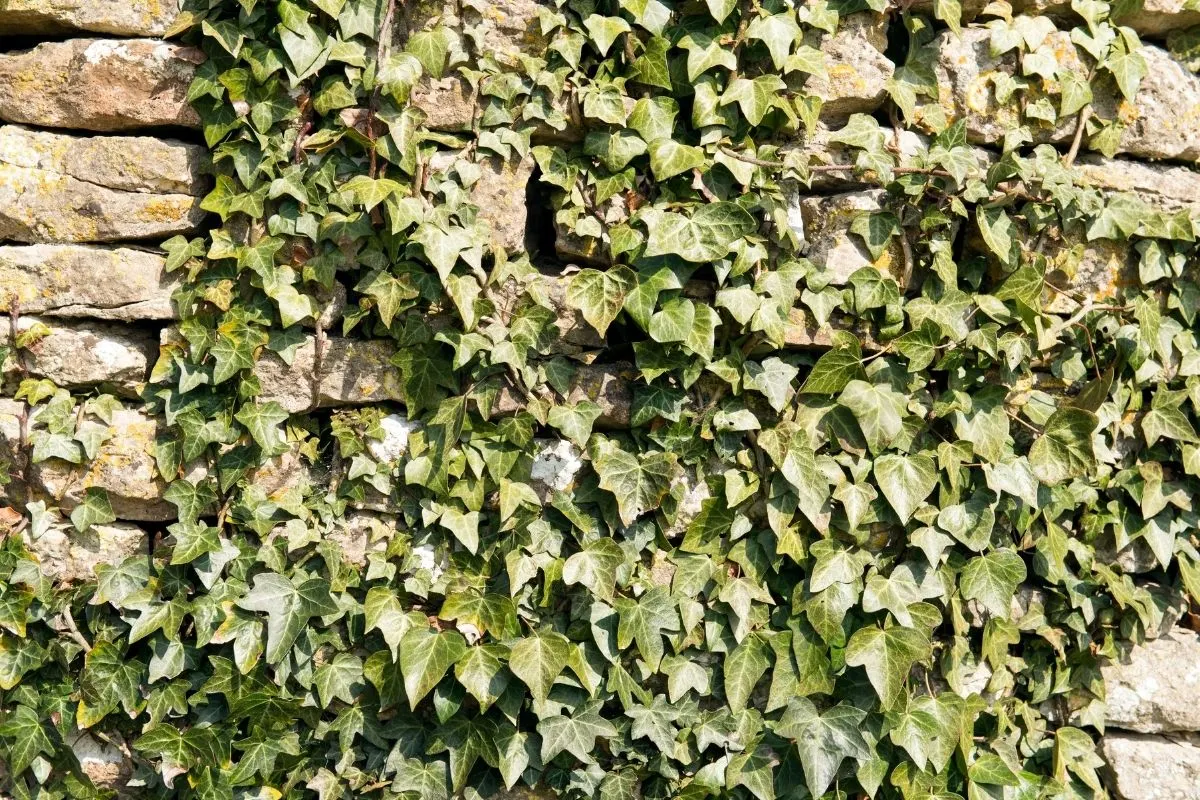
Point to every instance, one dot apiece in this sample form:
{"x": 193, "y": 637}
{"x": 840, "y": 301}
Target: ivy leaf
{"x": 192, "y": 500}
{"x": 905, "y": 481}
{"x": 755, "y": 97}
{"x": 704, "y": 236}
{"x": 600, "y": 295}
{"x": 339, "y": 679}
{"x": 389, "y": 292}
{"x": 778, "y": 32}
{"x": 773, "y": 378}
{"x": 604, "y": 30}
{"x": 639, "y": 482}
{"x": 835, "y": 370}
{"x": 464, "y": 525}
{"x": 823, "y": 740}
{"x": 24, "y": 727}
{"x": 288, "y": 607}
{"x": 425, "y": 656}
{"x": 193, "y": 540}
{"x": 1064, "y": 450}
{"x": 263, "y": 421}
{"x": 720, "y": 9}
{"x": 1167, "y": 422}
{"x": 576, "y": 734}
{"x": 992, "y": 579}
{"x": 674, "y": 321}
{"x": 94, "y": 510}
{"x": 888, "y": 655}
{"x": 743, "y": 669}
{"x": 595, "y": 566}
{"x": 879, "y": 410}
{"x": 999, "y": 233}
{"x": 669, "y": 158}
{"x": 489, "y": 612}
{"x": 644, "y": 621}
{"x": 538, "y": 659}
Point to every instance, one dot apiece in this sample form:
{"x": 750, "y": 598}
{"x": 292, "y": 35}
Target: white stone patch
{"x": 427, "y": 559}
{"x": 114, "y": 354}
{"x": 100, "y": 761}
{"x": 396, "y": 429}
{"x": 556, "y": 464}
{"x": 691, "y": 501}
{"x": 101, "y": 49}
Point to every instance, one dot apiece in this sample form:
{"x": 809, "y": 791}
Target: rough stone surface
{"x": 448, "y": 103}
{"x": 81, "y": 355}
{"x": 574, "y": 333}
{"x": 1155, "y": 18}
{"x": 99, "y": 84}
{"x": 1153, "y": 767}
{"x": 499, "y": 192}
{"x": 125, "y": 467}
{"x": 351, "y": 372}
{"x": 59, "y": 188}
{"x": 360, "y": 533}
{"x": 609, "y": 386}
{"x": 832, "y": 248}
{"x": 1162, "y": 121}
{"x": 100, "y": 761}
{"x": 119, "y": 17}
{"x": 1157, "y": 688}
{"x": 394, "y": 444}
{"x": 68, "y": 556}
{"x": 118, "y": 283}
{"x": 857, "y": 70}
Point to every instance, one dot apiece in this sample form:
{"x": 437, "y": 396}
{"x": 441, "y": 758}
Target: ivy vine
{"x": 886, "y": 567}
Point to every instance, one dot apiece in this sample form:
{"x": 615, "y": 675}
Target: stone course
{"x": 99, "y": 84}
{"x": 60, "y": 188}
{"x": 118, "y": 17}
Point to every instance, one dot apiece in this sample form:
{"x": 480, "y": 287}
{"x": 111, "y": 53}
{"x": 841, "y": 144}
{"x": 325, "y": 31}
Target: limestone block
{"x": 857, "y": 69}
{"x": 1153, "y": 767}
{"x": 1157, "y": 688}
{"x": 352, "y": 372}
{"x": 448, "y": 103}
{"x": 68, "y": 556}
{"x": 499, "y": 192}
{"x": 117, "y": 283}
{"x": 832, "y": 248}
{"x": 99, "y": 84}
{"x": 1162, "y": 120}
{"x": 82, "y": 355}
{"x": 118, "y": 17}
{"x": 1155, "y": 18}
{"x": 59, "y": 188}
{"x": 607, "y": 385}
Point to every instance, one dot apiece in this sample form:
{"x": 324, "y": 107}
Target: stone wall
{"x": 100, "y": 161}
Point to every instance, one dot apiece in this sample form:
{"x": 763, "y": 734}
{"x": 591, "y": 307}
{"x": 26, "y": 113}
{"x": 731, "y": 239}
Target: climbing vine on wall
{"x": 887, "y": 567}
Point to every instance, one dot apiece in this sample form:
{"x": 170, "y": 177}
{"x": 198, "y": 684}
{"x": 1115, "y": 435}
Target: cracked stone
{"x": 99, "y": 84}
{"x": 59, "y": 188}
{"x": 75, "y": 355}
{"x": 352, "y": 372}
{"x": 117, "y": 283}
{"x": 1153, "y": 767}
{"x": 1162, "y": 120}
{"x": 833, "y": 249}
{"x": 118, "y": 17}
{"x": 857, "y": 71}
{"x": 67, "y": 556}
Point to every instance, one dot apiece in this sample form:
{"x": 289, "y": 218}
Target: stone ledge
{"x": 67, "y": 280}
{"x": 1157, "y": 688}
{"x": 118, "y": 17}
{"x": 1163, "y": 120}
{"x": 59, "y": 188}
{"x": 857, "y": 69}
{"x": 99, "y": 84}
{"x": 76, "y": 356}
{"x": 1153, "y": 767}
{"x": 68, "y": 556}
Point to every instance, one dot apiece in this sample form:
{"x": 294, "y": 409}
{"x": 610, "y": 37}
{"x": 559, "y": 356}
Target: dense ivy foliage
{"x": 883, "y": 569}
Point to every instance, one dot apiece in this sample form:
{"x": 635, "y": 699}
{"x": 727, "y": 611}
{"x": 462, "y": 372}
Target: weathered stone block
{"x": 69, "y": 280}
{"x": 351, "y": 372}
{"x": 609, "y": 386}
{"x": 499, "y": 192}
{"x": 59, "y": 188}
{"x": 99, "y": 84}
{"x": 1155, "y": 18}
{"x": 833, "y": 249}
{"x": 1153, "y": 767}
{"x": 1162, "y": 120}
{"x": 68, "y": 556}
{"x": 119, "y": 17}
{"x": 81, "y": 355}
{"x": 857, "y": 69}
{"x": 448, "y": 103}
{"x": 1157, "y": 688}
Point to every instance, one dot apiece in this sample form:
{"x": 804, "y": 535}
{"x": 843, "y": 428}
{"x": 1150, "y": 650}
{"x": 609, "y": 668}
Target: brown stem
{"x": 73, "y": 629}
{"x": 1084, "y": 115}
